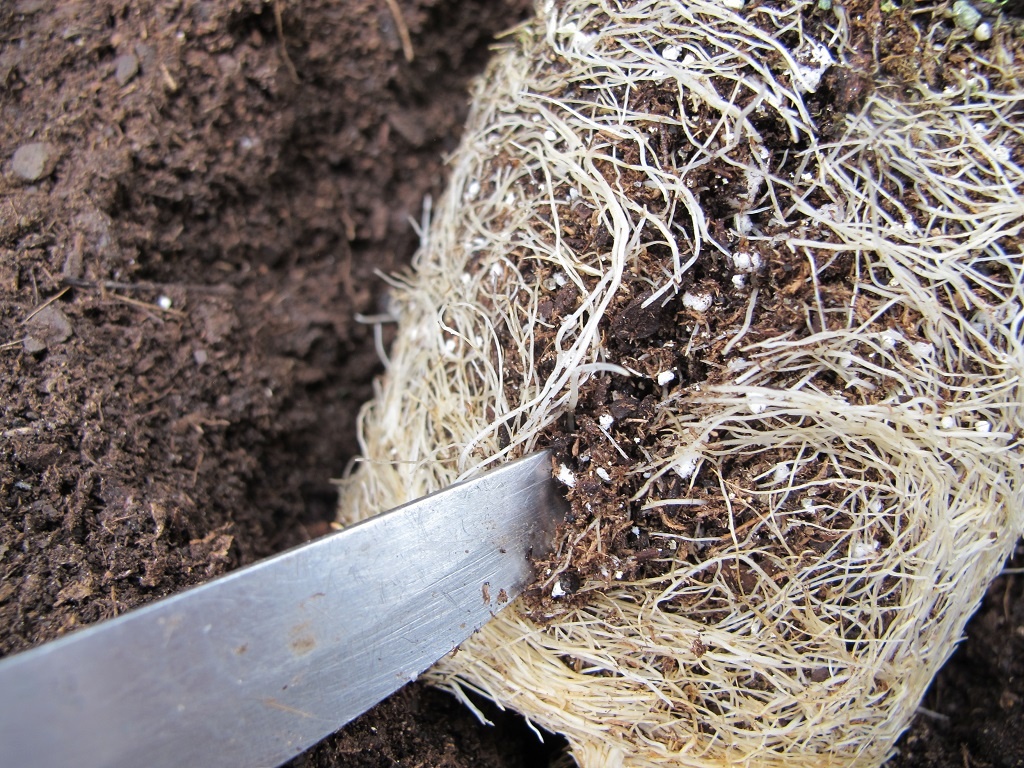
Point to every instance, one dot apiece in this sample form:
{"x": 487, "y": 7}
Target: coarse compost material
{"x": 755, "y": 275}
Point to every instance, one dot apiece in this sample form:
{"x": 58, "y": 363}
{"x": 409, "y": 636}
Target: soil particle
{"x": 34, "y": 161}
{"x": 126, "y": 66}
{"x": 47, "y": 327}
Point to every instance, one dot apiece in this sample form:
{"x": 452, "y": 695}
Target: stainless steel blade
{"x": 253, "y": 668}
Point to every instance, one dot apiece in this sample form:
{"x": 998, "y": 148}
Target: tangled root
{"x": 766, "y": 309}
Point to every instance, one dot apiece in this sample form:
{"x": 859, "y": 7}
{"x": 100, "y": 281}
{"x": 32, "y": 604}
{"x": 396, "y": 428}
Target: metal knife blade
{"x": 254, "y": 667}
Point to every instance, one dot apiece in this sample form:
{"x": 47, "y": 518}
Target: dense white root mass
{"x": 756, "y": 276}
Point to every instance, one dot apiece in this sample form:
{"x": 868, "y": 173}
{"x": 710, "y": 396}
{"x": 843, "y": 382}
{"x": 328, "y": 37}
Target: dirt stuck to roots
{"x": 683, "y": 342}
{"x": 688, "y": 339}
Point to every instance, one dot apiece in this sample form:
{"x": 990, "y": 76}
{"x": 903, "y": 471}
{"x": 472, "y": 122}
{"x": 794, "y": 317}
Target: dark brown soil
{"x": 255, "y": 173}
{"x": 194, "y": 199}
{"x": 420, "y": 726}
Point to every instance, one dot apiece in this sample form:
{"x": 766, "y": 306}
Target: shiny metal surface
{"x": 253, "y": 668}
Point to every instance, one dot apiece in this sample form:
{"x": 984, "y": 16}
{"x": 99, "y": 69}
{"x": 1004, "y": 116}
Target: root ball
{"x": 767, "y": 310}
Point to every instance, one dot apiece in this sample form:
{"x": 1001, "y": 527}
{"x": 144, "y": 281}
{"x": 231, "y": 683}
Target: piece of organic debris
{"x": 766, "y": 308}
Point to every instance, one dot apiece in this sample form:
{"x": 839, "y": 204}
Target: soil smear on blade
{"x": 194, "y": 201}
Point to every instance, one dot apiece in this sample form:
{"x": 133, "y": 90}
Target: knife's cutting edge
{"x": 256, "y": 666}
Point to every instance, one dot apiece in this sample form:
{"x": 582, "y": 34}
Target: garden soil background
{"x": 203, "y": 197}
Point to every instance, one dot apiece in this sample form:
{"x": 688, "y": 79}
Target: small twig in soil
{"x": 284, "y": 48}
{"x": 44, "y": 305}
{"x": 403, "y": 30}
{"x": 199, "y": 463}
{"x": 113, "y": 285}
{"x": 933, "y": 714}
{"x": 145, "y": 305}
{"x": 169, "y": 82}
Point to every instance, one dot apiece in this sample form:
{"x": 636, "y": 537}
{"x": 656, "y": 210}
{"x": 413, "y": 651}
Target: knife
{"x": 254, "y": 667}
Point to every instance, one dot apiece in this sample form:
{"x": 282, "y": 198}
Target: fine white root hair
{"x": 866, "y": 456}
